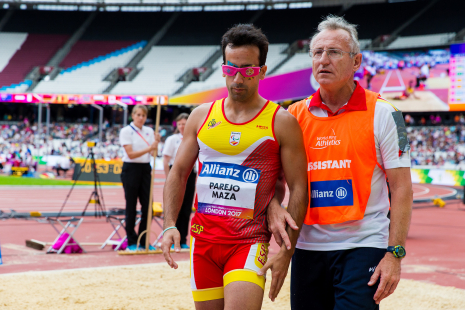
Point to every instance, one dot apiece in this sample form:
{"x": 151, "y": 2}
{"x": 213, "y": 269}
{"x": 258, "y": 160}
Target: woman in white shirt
{"x": 169, "y": 153}
{"x": 139, "y": 142}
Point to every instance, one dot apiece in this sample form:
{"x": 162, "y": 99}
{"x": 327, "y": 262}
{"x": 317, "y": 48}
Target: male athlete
{"x": 242, "y": 142}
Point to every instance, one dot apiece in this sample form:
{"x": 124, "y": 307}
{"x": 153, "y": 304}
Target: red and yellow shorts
{"x": 213, "y": 266}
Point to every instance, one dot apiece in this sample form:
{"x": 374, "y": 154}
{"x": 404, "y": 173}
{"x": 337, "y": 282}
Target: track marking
{"x": 451, "y": 192}
{"x": 426, "y": 190}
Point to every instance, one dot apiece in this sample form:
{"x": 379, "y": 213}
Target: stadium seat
{"x": 421, "y": 41}
{"x": 87, "y": 77}
{"x": 161, "y": 68}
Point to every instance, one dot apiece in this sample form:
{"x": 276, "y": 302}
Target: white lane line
{"x": 425, "y": 190}
{"x": 452, "y": 192}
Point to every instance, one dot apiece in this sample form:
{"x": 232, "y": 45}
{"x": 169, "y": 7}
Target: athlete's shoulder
{"x": 199, "y": 116}
{"x": 285, "y": 121}
{"x": 383, "y": 105}
{"x": 293, "y": 108}
{"x": 201, "y": 111}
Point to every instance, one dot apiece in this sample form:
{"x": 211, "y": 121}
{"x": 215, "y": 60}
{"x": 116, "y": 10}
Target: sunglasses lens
{"x": 250, "y": 72}
{"x": 229, "y": 70}
{"x": 246, "y": 72}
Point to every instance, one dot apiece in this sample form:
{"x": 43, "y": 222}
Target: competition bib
{"x": 225, "y": 189}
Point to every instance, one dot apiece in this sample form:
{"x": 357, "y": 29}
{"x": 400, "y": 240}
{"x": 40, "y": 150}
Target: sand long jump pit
{"x": 156, "y": 286}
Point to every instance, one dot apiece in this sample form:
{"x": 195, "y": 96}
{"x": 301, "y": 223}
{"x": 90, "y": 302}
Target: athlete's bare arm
{"x": 175, "y": 185}
{"x": 277, "y": 217}
{"x": 388, "y": 269}
{"x": 294, "y": 163}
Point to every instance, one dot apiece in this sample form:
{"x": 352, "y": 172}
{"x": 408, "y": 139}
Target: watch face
{"x": 400, "y": 251}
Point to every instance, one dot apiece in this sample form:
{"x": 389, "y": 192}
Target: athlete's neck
{"x": 243, "y": 111}
{"x": 335, "y": 98}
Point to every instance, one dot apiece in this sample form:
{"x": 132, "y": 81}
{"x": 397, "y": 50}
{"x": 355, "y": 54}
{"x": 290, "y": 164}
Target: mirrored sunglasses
{"x": 246, "y": 72}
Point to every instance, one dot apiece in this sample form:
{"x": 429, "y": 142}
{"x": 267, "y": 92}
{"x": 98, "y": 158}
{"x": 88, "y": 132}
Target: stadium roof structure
{"x": 176, "y": 5}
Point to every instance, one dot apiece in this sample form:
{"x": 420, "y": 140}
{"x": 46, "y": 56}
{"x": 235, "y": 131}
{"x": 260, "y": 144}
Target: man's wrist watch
{"x": 398, "y": 251}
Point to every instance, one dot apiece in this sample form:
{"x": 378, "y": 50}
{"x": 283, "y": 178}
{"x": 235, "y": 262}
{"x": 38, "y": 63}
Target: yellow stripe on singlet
{"x": 385, "y": 101}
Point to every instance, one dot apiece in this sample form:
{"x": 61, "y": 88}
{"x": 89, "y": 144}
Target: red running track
{"x": 435, "y": 246}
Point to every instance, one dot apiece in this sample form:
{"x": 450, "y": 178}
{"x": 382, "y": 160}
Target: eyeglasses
{"x": 333, "y": 53}
{"x": 246, "y": 72}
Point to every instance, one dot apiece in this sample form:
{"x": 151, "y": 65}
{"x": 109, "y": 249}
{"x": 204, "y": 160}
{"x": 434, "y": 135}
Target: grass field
{"x": 7, "y": 180}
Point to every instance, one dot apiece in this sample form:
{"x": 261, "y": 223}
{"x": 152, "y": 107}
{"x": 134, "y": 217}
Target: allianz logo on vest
{"x": 341, "y": 193}
{"x": 325, "y": 141}
{"x": 230, "y": 171}
{"x": 331, "y": 193}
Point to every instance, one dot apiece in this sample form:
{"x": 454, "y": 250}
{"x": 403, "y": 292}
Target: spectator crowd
{"x": 431, "y": 143}
{"x": 440, "y": 146}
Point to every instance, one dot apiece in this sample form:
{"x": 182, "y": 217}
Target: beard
{"x": 242, "y": 96}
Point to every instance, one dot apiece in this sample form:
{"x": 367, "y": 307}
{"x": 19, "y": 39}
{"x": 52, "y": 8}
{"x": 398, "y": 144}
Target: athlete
{"x": 242, "y": 142}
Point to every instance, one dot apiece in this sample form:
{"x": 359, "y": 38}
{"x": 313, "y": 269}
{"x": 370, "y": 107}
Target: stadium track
{"x": 435, "y": 246}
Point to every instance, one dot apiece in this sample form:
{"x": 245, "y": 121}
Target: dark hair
{"x": 246, "y": 34}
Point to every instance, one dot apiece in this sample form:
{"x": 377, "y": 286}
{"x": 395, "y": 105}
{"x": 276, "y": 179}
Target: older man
{"x": 349, "y": 254}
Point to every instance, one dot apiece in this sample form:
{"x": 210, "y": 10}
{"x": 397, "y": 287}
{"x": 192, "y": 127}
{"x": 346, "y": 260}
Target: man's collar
{"x": 357, "y": 101}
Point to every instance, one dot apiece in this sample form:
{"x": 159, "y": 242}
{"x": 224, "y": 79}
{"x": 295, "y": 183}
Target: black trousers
{"x": 334, "y": 280}
{"x": 136, "y": 179}
{"x": 184, "y": 217}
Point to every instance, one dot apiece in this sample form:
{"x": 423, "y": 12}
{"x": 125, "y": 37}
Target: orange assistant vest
{"x": 341, "y": 158}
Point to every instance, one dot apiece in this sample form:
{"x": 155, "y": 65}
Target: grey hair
{"x": 332, "y": 22}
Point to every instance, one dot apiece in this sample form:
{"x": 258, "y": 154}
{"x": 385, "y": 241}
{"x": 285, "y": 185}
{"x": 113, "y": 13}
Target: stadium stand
{"x": 296, "y": 62}
{"x": 45, "y": 22}
{"x": 430, "y": 40}
{"x": 85, "y": 50}
{"x": 275, "y": 56}
{"x": 36, "y": 50}
{"x": 87, "y": 77}
{"x": 161, "y": 68}
{"x": 381, "y": 18}
{"x": 445, "y": 16}
{"x": 11, "y": 43}
{"x": 112, "y": 31}
{"x": 203, "y": 28}
{"x": 287, "y": 31}
{"x": 125, "y": 26}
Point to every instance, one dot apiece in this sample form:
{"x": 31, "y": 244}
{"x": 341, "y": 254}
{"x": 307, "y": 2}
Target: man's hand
{"x": 171, "y": 237}
{"x": 388, "y": 271}
{"x": 279, "y": 265}
{"x": 277, "y": 218}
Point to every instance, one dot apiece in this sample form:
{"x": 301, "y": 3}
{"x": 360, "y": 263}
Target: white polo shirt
{"x": 171, "y": 146}
{"x": 139, "y": 139}
{"x": 373, "y": 230}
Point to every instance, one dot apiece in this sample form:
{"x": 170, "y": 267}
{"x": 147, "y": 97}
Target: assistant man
{"x": 347, "y": 256}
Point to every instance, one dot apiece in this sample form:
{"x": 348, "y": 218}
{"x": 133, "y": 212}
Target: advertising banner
{"x": 438, "y": 177}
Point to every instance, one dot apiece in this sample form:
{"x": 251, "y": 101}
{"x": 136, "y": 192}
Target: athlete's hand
{"x": 171, "y": 237}
{"x": 388, "y": 270}
{"x": 277, "y": 218}
{"x": 279, "y": 265}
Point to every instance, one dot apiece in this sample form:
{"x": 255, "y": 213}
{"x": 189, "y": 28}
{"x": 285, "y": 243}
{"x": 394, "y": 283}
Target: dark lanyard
{"x": 140, "y": 135}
